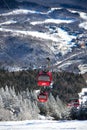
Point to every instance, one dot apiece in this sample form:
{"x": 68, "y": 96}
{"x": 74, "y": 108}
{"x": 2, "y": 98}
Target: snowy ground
{"x": 44, "y": 125}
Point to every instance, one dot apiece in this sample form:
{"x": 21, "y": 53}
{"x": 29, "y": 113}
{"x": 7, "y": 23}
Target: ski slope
{"x": 43, "y": 125}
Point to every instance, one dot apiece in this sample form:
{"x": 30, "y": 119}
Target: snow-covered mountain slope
{"x": 32, "y": 32}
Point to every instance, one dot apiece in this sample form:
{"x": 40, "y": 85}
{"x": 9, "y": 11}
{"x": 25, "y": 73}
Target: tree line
{"x": 66, "y": 85}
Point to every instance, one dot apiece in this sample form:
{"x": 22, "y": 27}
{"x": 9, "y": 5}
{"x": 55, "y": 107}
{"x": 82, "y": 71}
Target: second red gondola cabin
{"x": 43, "y": 97}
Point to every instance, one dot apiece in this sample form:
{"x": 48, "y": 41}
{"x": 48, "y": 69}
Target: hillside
{"x": 33, "y": 30}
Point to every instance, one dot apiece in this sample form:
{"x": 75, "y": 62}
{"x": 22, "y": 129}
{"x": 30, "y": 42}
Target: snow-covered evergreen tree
{"x": 53, "y": 107}
{"x": 19, "y": 106}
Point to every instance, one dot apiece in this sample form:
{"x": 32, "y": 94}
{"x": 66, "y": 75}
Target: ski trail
{"x": 31, "y": 33}
{"x": 63, "y": 61}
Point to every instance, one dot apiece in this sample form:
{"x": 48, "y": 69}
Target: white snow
{"x": 21, "y": 11}
{"x": 53, "y": 9}
{"x": 26, "y": 11}
{"x": 61, "y": 33}
{"x": 64, "y": 35}
{"x": 83, "y": 68}
{"x": 84, "y": 17}
{"x": 43, "y": 125}
{"x": 73, "y": 11}
{"x": 83, "y": 25}
{"x": 13, "y": 68}
{"x": 8, "y": 22}
{"x": 56, "y": 21}
{"x": 31, "y": 33}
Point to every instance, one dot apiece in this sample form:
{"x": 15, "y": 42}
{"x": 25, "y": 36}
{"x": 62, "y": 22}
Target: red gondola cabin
{"x": 73, "y": 103}
{"x": 43, "y": 97}
{"x": 44, "y": 78}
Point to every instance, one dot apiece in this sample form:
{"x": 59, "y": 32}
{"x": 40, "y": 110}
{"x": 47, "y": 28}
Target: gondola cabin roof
{"x": 44, "y": 79}
{"x": 43, "y": 97}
